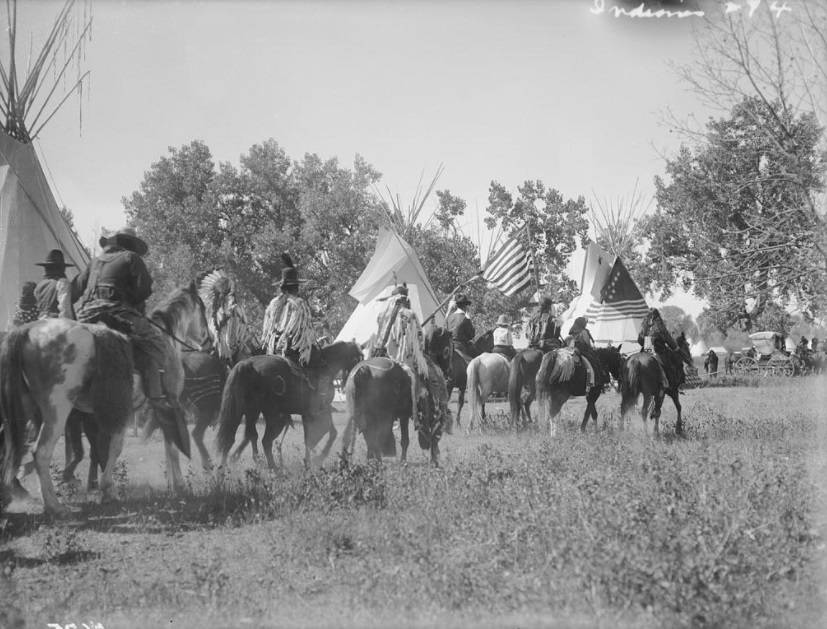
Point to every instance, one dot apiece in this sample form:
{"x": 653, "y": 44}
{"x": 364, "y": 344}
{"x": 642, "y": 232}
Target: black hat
{"x": 55, "y": 258}
{"x": 462, "y": 299}
{"x": 289, "y": 275}
{"x": 125, "y": 237}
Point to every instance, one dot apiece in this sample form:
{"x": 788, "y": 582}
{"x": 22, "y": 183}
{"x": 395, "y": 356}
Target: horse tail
{"x": 542, "y": 382}
{"x": 232, "y": 405}
{"x": 354, "y": 388}
{"x": 630, "y": 381}
{"x": 472, "y": 385}
{"x": 12, "y": 407}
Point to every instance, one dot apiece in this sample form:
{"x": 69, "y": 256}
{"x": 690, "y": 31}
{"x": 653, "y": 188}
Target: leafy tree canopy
{"x": 736, "y": 218}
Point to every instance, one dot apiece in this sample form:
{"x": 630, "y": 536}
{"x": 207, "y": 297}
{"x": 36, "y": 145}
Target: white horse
{"x": 486, "y": 374}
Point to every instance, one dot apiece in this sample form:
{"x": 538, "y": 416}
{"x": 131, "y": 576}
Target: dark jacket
{"x": 460, "y": 327}
{"x": 117, "y": 277}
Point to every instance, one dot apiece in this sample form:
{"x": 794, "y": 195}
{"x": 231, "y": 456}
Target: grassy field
{"x": 725, "y": 527}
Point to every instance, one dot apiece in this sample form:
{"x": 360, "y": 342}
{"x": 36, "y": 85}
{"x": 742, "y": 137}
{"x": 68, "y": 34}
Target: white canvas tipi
{"x": 30, "y": 220}
{"x": 393, "y": 262}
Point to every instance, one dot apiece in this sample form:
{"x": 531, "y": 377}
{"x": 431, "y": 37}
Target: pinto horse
{"x": 456, "y": 374}
{"x": 641, "y": 374}
{"x": 560, "y": 377}
{"x": 277, "y": 388}
{"x": 182, "y": 319}
{"x": 49, "y": 367}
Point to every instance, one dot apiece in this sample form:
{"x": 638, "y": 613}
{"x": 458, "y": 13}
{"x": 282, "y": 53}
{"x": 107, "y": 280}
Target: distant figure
{"x": 503, "y": 341}
{"x": 27, "y": 306}
{"x": 711, "y": 364}
{"x": 802, "y": 349}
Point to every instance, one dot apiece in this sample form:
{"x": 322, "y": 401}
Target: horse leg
{"x": 202, "y": 420}
{"x": 554, "y": 411}
{"x": 460, "y": 404}
{"x": 274, "y": 424}
{"x": 115, "y": 448}
{"x": 679, "y": 424}
{"x": 73, "y": 444}
{"x": 174, "y": 477}
{"x": 435, "y": 452}
{"x": 54, "y": 421}
{"x": 405, "y": 437}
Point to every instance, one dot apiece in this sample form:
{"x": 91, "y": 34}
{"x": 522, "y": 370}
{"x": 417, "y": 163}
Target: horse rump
{"x": 13, "y": 408}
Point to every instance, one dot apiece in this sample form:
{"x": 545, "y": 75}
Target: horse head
{"x": 341, "y": 356}
{"x": 684, "y": 351}
{"x": 183, "y": 316}
{"x": 484, "y": 342}
{"x": 612, "y": 360}
{"x": 439, "y": 347}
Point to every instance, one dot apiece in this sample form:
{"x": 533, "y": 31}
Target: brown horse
{"x": 641, "y": 374}
{"x": 522, "y": 384}
{"x": 277, "y": 388}
{"x": 561, "y": 376}
{"x": 380, "y": 391}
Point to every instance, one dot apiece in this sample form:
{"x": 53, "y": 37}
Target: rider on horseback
{"x": 288, "y": 327}
{"x": 543, "y": 328}
{"x": 460, "y": 326}
{"x": 654, "y": 336}
{"x": 114, "y": 289}
{"x": 580, "y": 337}
{"x": 415, "y": 358}
{"x": 54, "y": 291}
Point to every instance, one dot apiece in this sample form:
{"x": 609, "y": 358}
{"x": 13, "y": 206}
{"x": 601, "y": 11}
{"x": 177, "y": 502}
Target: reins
{"x": 171, "y": 335}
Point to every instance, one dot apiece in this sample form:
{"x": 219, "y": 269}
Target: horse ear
{"x": 192, "y": 288}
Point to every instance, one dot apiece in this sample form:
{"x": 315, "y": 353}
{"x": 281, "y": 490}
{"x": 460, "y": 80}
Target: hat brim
{"x": 294, "y": 282}
{"x": 127, "y": 241}
{"x": 62, "y": 264}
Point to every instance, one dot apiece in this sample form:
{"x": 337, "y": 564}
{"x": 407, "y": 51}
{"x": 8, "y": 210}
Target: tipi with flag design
{"x": 619, "y": 313}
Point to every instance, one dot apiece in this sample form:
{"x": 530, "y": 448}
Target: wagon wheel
{"x": 746, "y": 366}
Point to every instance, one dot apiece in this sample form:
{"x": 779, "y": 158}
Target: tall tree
{"x": 733, "y": 224}
{"x": 556, "y": 227}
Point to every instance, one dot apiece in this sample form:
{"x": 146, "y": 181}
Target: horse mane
{"x": 176, "y": 306}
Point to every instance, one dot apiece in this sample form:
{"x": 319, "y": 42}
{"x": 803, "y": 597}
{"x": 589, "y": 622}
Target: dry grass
{"x": 610, "y": 528}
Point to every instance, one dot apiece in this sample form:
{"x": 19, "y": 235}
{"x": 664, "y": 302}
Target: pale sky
{"x": 493, "y": 90}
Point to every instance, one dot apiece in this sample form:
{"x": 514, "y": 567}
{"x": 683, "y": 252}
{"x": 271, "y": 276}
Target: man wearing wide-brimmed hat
{"x": 54, "y": 292}
{"x": 288, "y": 325}
{"x": 114, "y": 289}
{"x": 503, "y": 340}
{"x": 460, "y": 326}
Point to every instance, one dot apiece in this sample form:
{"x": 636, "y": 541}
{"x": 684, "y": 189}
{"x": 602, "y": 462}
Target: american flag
{"x": 619, "y": 298}
{"x": 510, "y": 268}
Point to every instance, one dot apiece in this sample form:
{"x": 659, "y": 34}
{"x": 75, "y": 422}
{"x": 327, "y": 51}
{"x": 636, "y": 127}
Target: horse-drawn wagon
{"x": 766, "y": 357}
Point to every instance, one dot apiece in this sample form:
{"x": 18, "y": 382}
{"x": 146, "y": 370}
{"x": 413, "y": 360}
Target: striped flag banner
{"x": 620, "y": 298}
{"x": 510, "y": 268}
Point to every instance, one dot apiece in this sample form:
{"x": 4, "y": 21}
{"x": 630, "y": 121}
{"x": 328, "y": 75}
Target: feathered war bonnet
{"x": 289, "y": 275}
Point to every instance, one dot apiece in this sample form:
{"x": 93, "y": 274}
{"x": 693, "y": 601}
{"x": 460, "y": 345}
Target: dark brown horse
{"x": 277, "y": 388}
{"x": 522, "y": 384}
{"x": 641, "y": 374}
{"x": 380, "y": 391}
{"x": 456, "y": 372}
{"x": 562, "y": 375}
